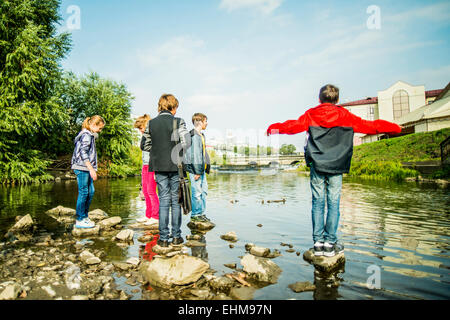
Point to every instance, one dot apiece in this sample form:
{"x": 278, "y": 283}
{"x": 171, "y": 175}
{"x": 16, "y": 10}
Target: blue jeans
{"x": 168, "y": 185}
{"x": 325, "y": 187}
{"x": 85, "y": 193}
{"x": 199, "y": 189}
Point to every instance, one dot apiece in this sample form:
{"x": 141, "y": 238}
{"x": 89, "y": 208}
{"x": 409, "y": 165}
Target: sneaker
{"x": 162, "y": 243}
{"x": 338, "y": 248}
{"x": 204, "y": 218}
{"x": 86, "y": 223}
{"x": 143, "y": 219}
{"x": 328, "y": 249}
{"x": 177, "y": 241}
{"x": 196, "y": 218}
{"x": 318, "y": 249}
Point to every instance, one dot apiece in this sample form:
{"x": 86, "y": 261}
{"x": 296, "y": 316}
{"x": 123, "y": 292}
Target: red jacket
{"x": 331, "y": 129}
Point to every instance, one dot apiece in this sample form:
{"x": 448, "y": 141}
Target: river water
{"x": 396, "y": 235}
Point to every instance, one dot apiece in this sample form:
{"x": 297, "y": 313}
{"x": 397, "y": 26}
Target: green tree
{"x": 90, "y": 95}
{"x": 30, "y": 55}
{"x": 287, "y": 149}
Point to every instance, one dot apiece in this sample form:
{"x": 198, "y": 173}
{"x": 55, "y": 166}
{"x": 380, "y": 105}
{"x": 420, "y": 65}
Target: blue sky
{"x": 249, "y": 63}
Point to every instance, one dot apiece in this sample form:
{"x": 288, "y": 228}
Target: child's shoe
{"x": 196, "y": 218}
{"x": 204, "y": 218}
{"x": 318, "y": 249}
{"x": 332, "y": 249}
{"x": 86, "y": 223}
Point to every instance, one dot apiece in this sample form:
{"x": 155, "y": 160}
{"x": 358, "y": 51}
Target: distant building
{"x": 392, "y": 104}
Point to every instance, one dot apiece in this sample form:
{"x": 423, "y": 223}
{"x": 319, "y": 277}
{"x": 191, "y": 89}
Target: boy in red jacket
{"x": 329, "y": 153}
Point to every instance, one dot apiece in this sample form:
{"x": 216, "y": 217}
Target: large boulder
{"x": 23, "y": 225}
{"x": 109, "y": 223}
{"x": 261, "y": 269}
{"x": 80, "y": 232}
{"x": 178, "y": 270}
{"x": 324, "y": 264}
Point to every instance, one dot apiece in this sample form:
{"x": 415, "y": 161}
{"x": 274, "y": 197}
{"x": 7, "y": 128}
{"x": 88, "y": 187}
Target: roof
{"x": 437, "y": 109}
{"x": 372, "y": 100}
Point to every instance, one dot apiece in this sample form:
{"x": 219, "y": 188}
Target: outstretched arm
{"x": 289, "y": 127}
{"x": 373, "y": 127}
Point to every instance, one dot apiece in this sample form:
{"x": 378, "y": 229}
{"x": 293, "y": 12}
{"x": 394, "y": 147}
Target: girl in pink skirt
{"x": 148, "y": 179}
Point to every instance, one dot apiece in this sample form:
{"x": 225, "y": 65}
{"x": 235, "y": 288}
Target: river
{"x": 396, "y": 235}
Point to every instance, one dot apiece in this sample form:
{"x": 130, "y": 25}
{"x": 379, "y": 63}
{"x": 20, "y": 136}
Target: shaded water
{"x": 401, "y": 228}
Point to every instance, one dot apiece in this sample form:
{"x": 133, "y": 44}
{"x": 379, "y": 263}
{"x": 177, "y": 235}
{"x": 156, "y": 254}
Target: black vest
{"x": 161, "y": 129}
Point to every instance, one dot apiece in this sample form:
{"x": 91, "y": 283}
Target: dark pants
{"x": 168, "y": 185}
{"x": 85, "y": 193}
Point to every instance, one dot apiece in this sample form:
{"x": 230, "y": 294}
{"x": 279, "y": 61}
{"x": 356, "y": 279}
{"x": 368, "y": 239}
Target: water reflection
{"x": 404, "y": 228}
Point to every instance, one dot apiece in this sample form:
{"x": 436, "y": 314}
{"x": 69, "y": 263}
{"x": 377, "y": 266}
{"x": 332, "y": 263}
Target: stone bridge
{"x": 266, "y": 160}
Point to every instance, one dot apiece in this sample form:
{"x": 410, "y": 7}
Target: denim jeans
{"x": 85, "y": 193}
{"x": 168, "y": 185}
{"x": 199, "y": 189}
{"x": 325, "y": 188}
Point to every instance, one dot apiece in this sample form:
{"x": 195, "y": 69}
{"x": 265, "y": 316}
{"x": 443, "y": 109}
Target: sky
{"x": 249, "y": 63}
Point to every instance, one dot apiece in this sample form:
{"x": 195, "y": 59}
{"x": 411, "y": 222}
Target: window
{"x": 400, "y": 102}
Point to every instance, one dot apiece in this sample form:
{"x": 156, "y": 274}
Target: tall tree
{"x": 30, "y": 56}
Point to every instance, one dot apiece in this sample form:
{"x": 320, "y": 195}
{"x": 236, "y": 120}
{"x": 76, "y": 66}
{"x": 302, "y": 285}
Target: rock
{"x": 79, "y": 297}
{"x": 88, "y": 258}
{"x": 201, "y": 225}
{"x": 79, "y": 232}
{"x": 200, "y": 293}
{"x": 24, "y": 224}
{"x": 18, "y": 218}
{"x": 122, "y": 266}
{"x": 223, "y": 284}
{"x": 259, "y": 251}
{"x": 133, "y": 261}
{"x": 97, "y": 215}
{"x": 259, "y": 225}
{"x": 290, "y": 250}
{"x": 261, "y": 269}
{"x": 124, "y": 296}
{"x": 231, "y": 265}
{"x": 244, "y": 293}
{"x": 230, "y": 236}
{"x": 273, "y": 254}
{"x": 11, "y": 292}
{"x": 164, "y": 250}
{"x": 194, "y": 243}
{"x": 324, "y": 264}
{"x": 154, "y": 228}
{"x": 302, "y": 286}
{"x": 179, "y": 270}
{"x": 194, "y": 237}
{"x": 231, "y": 246}
{"x": 49, "y": 290}
{"x": 248, "y": 246}
{"x": 61, "y": 211}
{"x": 125, "y": 235}
{"x": 109, "y": 223}
{"x": 221, "y": 296}
{"x": 145, "y": 238}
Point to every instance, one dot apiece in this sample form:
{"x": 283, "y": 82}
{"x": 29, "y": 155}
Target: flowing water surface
{"x": 396, "y": 235}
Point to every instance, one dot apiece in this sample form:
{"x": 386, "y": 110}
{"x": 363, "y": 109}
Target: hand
{"x": 93, "y": 174}
{"x": 196, "y": 177}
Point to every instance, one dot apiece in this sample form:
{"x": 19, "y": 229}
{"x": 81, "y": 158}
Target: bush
{"x": 381, "y": 170}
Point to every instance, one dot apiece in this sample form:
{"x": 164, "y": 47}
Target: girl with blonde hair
{"x": 84, "y": 164}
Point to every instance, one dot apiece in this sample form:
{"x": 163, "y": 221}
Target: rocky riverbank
{"x": 68, "y": 265}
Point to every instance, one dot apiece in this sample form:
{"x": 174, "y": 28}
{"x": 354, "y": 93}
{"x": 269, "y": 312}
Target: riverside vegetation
{"x": 42, "y": 106}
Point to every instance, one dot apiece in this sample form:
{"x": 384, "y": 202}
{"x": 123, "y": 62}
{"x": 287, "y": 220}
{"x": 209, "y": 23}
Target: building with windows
{"x": 392, "y": 104}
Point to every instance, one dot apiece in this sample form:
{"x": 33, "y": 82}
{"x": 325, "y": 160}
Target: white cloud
{"x": 264, "y": 6}
{"x": 434, "y": 12}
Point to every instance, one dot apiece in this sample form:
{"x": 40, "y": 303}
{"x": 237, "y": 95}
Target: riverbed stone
{"x": 259, "y": 251}
{"x": 302, "y": 286}
{"x": 261, "y": 269}
{"x": 201, "y": 225}
{"x": 23, "y": 225}
{"x": 223, "y": 284}
{"x": 230, "y": 236}
{"x": 49, "y": 290}
{"x": 61, "y": 211}
{"x": 194, "y": 243}
{"x": 80, "y": 232}
{"x": 97, "y": 215}
{"x": 89, "y": 258}
{"x": 324, "y": 264}
{"x": 178, "y": 270}
{"x": 109, "y": 223}
{"x": 125, "y": 235}
{"x": 243, "y": 293}
{"x": 11, "y": 292}
{"x": 133, "y": 261}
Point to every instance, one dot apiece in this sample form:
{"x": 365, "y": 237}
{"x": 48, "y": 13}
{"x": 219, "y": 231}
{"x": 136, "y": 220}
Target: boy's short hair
{"x": 329, "y": 94}
{"x": 198, "y": 117}
{"x": 167, "y": 102}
